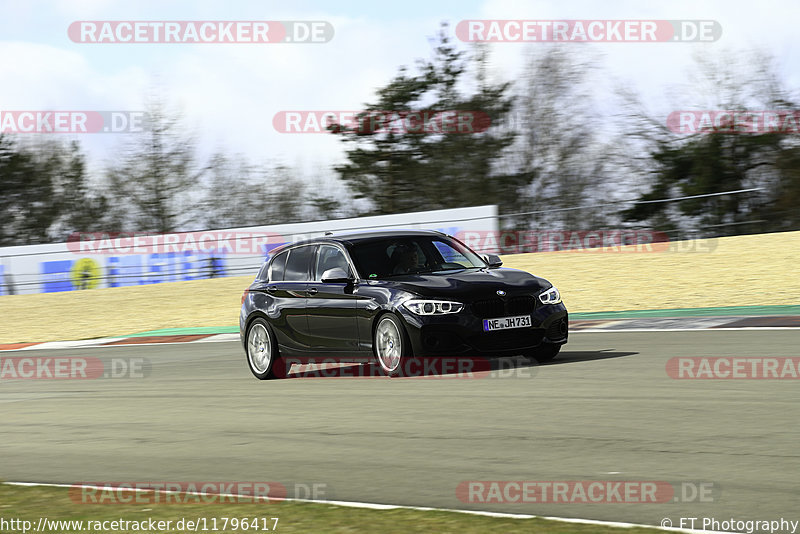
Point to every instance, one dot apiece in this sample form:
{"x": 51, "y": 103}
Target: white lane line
{"x": 601, "y": 323}
{"x": 748, "y": 328}
{"x": 377, "y": 506}
{"x": 20, "y": 348}
{"x": 100, "y": 344}
{"x": 219, "y": 337}
{"x": 71, "y": 344}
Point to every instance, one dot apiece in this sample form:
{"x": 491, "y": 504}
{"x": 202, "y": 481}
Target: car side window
{"x": 330, "y": 257}
{"x": 277, "y": 267}
{"x": 298, "y": 266}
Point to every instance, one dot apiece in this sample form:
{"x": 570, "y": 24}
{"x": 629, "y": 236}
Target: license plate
{"x": 504, "y": 323}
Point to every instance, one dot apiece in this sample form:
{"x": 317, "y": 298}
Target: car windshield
{"x": 397, "y": 256}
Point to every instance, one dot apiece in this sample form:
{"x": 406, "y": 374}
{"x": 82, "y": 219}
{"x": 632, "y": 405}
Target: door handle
{"x": 272, "y": 289}
{"x": 312, "y": 290}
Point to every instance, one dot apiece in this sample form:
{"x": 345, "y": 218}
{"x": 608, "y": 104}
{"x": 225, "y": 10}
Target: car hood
{"x": 468, "y": 284}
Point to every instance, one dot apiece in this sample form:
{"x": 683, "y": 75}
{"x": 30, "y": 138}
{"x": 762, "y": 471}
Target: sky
{"x": 229, "y": 93}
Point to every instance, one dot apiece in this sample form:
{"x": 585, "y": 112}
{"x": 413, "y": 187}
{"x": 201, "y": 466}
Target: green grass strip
{"x": 749, "y": 311}
{"x": 187, "y": 331}
{"x": 33, "y": 503}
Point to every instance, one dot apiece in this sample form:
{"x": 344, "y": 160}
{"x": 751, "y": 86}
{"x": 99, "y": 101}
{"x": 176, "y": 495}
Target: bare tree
{"x": 240, "y": 193}
{"x": 152, "y": 183}
{"x": 558, "y": 144}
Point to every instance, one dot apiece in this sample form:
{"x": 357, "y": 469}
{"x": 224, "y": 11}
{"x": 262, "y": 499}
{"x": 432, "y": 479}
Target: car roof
{"x": 349, "y": 238}
{"x": 371, "y": 235}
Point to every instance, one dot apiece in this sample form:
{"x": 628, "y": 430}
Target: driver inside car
{"x": 405, "y": 258}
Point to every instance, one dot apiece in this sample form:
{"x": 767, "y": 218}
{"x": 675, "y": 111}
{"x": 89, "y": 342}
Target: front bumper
{"x": 462, "y": 333}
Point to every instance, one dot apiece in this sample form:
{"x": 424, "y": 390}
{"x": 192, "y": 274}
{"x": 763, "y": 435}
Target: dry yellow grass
{"x": 730, "y": 271}
{"x": 121, "y": 310}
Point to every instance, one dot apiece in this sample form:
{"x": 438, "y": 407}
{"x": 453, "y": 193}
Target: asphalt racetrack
{"x": 605, "y": 410}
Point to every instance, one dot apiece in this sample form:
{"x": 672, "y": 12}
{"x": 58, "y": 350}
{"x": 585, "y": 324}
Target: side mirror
{"x": 335, "y": 275}
{"x": 493, "y": 260}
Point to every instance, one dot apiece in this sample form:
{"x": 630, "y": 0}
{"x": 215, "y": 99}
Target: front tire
{"x": 261, "y": 349}
{"x": 391, "y": 345}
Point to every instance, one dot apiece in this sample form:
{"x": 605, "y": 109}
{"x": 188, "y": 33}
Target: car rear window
{"x": 298, "y": 266}
{"x": 263, "y": 273}
{"x": 277, "y": 267}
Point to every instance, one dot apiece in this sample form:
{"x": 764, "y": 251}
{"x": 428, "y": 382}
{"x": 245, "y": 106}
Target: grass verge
{"x": 54, "y": 504}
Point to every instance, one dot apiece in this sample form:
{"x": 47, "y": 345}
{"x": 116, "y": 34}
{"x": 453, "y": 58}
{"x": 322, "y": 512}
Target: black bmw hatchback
{"x": 394, "y": 295}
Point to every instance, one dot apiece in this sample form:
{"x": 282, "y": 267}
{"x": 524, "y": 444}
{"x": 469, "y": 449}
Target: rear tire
{"x": 261, "y": 349}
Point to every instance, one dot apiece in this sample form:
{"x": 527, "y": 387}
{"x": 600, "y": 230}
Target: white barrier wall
{"x": 112, "y": 260}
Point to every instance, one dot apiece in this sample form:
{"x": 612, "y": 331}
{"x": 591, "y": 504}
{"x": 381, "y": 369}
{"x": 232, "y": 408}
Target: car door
{"x": 332, "y": 305}
{"x": 288, "y": 287}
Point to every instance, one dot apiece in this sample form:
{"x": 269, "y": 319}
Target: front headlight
{"x": 551, "y": 296}
{"x": 432, "y": 307}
